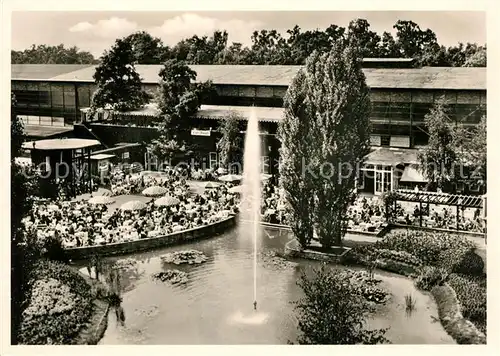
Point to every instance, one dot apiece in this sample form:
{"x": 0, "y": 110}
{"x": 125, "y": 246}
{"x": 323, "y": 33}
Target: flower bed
{"x": 181, "y": 257}
{"x": 471, "y": 294}
{"x": 172, "y": 276}
{"x": 440, "y": 261}
{"x": 59, "y": 304}
{"x": 430, "y": 276}
{"x": 425, "y": 246}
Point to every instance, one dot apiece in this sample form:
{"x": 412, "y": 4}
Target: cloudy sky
{"x": 96, "y": 31}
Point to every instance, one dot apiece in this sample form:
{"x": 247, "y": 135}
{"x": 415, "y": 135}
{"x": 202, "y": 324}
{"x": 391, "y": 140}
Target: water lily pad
{"x": 172, "y": 276}
{"x": 181, "y": 257}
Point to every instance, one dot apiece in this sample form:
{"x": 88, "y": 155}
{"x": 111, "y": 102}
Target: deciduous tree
{"x": 146, "y": 49}
{"x": 178, "y": 99}
{"x": 118, "y": 84}
{"x": 230, "y": 144}
{"x": 439, "y": 158}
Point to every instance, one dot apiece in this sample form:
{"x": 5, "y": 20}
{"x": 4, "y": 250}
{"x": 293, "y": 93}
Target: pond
{"x": 215, "y": 305}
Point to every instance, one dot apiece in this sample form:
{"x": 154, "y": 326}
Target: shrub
{"x": 59, "y": 303}
{"x": 463, "y": 261}
{"x": 332, "y": 311}
{"x": 398, "y": 256}
{"x": 430, "y": 276}
{"x": 471, "y": 293}
{"x": 424, "y": 245}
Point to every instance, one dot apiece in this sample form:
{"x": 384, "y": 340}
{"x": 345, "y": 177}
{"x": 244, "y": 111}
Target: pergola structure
{"x": 64, "y": 159}
{"x": 439, "y": 198}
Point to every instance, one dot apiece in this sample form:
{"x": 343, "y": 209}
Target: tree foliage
{"x": 230, "y": 144}
{"x": 439, "y": 158}
{"x": 178, "y": 99}
{"x": 296, "y": 150}
{"x": 268, "y": 46}
{"x": 23, "y": 254}
{"x": 146, "y": 49}
{"x": 470, "y": 145}
{"x": 338, "y": 102}
{"x": 118, "y": 84}
{"x": 332, "y": 311}
{"x": 324, "y": 135}
{"x": 43, "y": 54}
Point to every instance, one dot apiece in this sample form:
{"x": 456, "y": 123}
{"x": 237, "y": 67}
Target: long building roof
{"x": 437, "y": 78}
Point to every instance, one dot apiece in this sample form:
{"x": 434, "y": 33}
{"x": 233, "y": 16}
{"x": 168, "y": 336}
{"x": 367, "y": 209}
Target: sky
{"x": 96, "y": 31}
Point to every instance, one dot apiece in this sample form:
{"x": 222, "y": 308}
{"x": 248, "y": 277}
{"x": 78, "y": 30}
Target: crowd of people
{"x": 122, "y": 183}
{"x": 80, "y": 223}
{"x": 442, "y": 218}
{"x": 368, "y": 214}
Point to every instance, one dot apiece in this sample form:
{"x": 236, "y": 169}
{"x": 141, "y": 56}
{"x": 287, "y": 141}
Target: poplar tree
{"x": 338, "y": 104}
{"x": 295, "y": 151}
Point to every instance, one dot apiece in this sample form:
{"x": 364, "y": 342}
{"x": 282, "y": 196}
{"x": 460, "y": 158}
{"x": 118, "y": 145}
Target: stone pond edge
{"x": 122, "y": 248}
{"x": 97, "y": 324}
{"x": 461, "y": 330}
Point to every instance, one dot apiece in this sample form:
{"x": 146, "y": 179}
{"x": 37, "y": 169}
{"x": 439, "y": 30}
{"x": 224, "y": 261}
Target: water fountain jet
{"x": 251, "y": 192}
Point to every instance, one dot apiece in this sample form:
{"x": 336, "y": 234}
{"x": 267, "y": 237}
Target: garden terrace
{"x": 465, "y": 201}
{"x": 440, "y": 218}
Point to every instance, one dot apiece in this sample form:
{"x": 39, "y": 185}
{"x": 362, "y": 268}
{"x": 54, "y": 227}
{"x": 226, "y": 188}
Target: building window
{"x": 385, "y": 140}
{"x": 265, "y": 167}
{"x": 212, "y": 160}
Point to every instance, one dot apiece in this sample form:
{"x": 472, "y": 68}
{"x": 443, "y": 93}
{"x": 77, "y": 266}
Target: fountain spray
{"x": 252, "y": 187}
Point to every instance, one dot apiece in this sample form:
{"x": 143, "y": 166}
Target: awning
{"x": 221, "y": 112}
{"x": 101, "y": 156}
{"x": 388, "y": 156}
{"x": 46, "y": 131}
{"x": 412, "y": 174}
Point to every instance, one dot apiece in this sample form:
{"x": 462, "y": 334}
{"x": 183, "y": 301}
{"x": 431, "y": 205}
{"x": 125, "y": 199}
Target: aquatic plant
{"x": 410, "y": 303}
{"x": 188, "y": 256}
{"x": 172, "y": 276}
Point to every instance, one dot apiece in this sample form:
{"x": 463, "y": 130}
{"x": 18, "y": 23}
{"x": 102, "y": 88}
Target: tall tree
{"x": 470, "y": 146}
{"x": 118, "y": 84}
{"x": 302, "y": 44}
{"x": 269, "y": 47}
{"x": 295, "y": 152}
{"x": 368, "y": 41}
{"x": 388, "y": 47}
{"x": 234, "y": 54}
{"x": 332, "y": 311}
{"x": 439, "y": 158}
{"x": 230, "y": 144}
{"x": 476, "y": 58}
{"x": 178, "y": 99}
{"x": 412, "y": 39}
{"x": 338, "y": 103}
{"x": 146, "y": 49}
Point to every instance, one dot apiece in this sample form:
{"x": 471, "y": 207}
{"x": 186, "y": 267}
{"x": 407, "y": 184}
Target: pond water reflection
{"x": 216, "y": 305}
